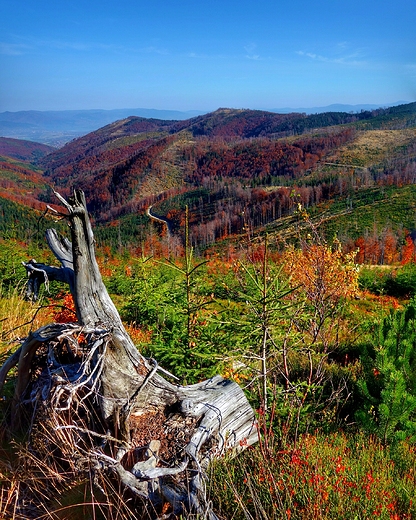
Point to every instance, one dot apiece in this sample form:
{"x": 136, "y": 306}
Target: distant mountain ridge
{"x": 337, "y": 107}
{"x": 56, "y": 128}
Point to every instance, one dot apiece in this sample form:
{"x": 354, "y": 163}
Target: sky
{"x": 205, "y": 54}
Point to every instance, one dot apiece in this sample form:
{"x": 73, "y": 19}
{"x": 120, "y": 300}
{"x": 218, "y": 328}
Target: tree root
{"x": 160, "y": 454}
{"x": 93, "y": 405}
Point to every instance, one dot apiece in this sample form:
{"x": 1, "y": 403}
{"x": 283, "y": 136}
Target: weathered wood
{"x": 135, "y": 404}
{"x": 39, "y": 273}
{"x": 10, "y": 363}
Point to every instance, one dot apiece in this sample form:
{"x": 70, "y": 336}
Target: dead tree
{"x": 107, "y": 409}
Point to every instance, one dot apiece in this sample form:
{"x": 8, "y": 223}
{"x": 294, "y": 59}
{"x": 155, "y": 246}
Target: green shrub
{"x": 165, "y": 300}
{"x": 399, "y": 282}
{"x": 12, "y": 272}
{"x": 389, "y": 386}
{"x": 403, "y": 282}
{"x": 373, "y": 280}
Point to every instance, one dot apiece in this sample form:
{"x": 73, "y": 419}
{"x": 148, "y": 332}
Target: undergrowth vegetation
{"x": 325, "y": 476}
{"x": 330, "y": 370}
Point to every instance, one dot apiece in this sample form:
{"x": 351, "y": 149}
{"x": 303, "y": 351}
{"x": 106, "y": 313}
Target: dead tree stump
{"x": 102, "y": 407}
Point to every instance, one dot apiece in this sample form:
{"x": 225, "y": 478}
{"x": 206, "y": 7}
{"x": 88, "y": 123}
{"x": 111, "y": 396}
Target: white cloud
{"x": 154, "y": 50}
{"x": 348, "y": 59}
{"x": 202, "y": 56}
{"x": 33, "y": 44}
{"x": 251, "y": 55}
{"x": 343, "y": 45}
{"x": 13, "y": 49}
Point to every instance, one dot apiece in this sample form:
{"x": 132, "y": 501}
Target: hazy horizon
{"x": 205, "y": 55}
{"x": 196, "y": 110}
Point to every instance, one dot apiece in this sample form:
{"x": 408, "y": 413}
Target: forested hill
{"x": 234, "y": 169}
{"x": 23, "y": 150}
{"x": 226, "y": 123}
{"x": 22, "y": 185}
{"x": 123, "y": 163}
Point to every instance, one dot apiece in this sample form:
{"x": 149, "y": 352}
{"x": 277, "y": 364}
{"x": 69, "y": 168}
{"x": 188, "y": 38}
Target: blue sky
{"x": 205, "y": 54}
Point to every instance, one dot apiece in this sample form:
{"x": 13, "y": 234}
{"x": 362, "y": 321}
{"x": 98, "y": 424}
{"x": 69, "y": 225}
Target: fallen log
{"x": 104, "y": 408}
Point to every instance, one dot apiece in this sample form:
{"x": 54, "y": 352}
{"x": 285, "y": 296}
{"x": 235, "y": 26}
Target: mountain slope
{"x": 23, "y": 150}
{"x": 234, "y": 169}
{"x": 125, "y": 162}
{"x": 121, "y": 163}
{"x": 58, "y": 127}
{"x": 20, "y": 181}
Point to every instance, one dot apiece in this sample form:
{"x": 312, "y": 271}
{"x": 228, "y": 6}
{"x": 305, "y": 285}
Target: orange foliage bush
{"x": 67, "y": 313}
{"x": 323, "y": 273}
{"x": 138, "y": 335}
{"x": 408, "y": 251}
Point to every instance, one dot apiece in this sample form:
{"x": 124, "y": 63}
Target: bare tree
{"x": 110, "y": 409}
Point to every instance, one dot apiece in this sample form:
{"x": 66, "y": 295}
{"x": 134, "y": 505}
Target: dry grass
{"x": 166, "y": 175}
{"x": 18, "y": 317}
{"x": 37, "y": 487}
{"x": 372, "y": 146}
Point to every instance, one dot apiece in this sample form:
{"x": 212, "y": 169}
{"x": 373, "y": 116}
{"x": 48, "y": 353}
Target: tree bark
{"x": 109, "y": 405}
